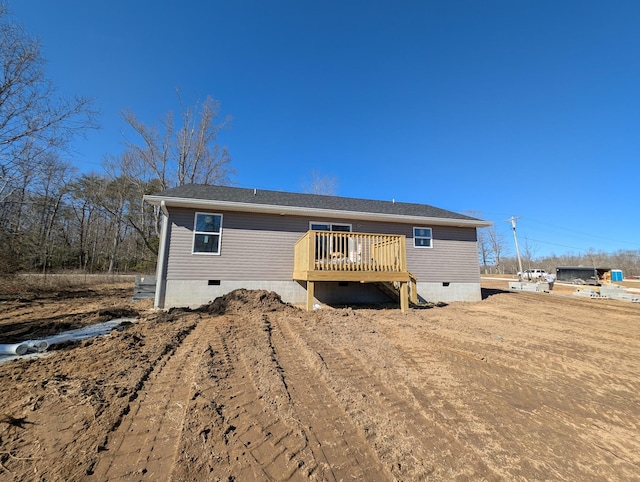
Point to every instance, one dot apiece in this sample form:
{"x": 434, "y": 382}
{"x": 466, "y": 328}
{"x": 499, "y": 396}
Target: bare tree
{"x": 321, "y": 184}
{"x": 200, "y": 159}
{"x": 143, "y": 218}
{"x": 165, "y": 156}
{"x": 183, "y": 155}
{"x": 484, "y": 249}
{"x": 86, "y": 219}
{"x": 33, "y": 117}
{"x": 497, "y": 245}
{"x": 45, "y": 203}
{"x": 528, "y": 252}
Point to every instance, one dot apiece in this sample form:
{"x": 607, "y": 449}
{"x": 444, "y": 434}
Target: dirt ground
{"x": 519, "y": 386}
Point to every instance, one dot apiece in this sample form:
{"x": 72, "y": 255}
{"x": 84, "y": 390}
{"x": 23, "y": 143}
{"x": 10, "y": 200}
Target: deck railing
{"x": 347, "y": 251}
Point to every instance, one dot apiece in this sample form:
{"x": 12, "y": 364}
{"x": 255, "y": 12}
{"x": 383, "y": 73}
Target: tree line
{"x": 496, "y": 257}
{"x": 54, "y": 218}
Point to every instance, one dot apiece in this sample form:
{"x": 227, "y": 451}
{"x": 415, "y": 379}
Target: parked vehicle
{"x": 531, "y": 274}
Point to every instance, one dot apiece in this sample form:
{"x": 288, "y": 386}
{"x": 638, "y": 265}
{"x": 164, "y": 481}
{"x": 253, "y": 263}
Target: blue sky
{"x": 526, "y": 108}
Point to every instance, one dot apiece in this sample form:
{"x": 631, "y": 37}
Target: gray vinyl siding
{"x": 260, "y": 247}
{"x": 253, "y": 247}
{"x": 453, "y": 257}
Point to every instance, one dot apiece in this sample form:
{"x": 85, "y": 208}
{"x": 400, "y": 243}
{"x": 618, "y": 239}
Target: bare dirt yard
{"x": 519, "y": 386}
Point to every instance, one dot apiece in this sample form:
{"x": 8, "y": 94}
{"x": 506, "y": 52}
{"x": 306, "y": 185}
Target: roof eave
{"x": 302, "y": 211}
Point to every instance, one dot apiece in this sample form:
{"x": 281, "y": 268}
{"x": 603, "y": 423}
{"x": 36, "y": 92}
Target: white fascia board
{"x": 316, "y": 212}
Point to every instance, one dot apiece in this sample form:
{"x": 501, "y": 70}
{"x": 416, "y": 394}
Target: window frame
{"x": 415, "y": 236}
{"x": 324, "y": 250}
{"x": 210, "y": 233}
{"x": 330, "y": 224}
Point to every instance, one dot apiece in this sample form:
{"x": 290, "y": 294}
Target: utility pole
{"x": 515, "y": 238}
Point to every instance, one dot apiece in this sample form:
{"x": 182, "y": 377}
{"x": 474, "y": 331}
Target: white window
{"x": 207, "y": 232}
{"x": 422, "y": 238}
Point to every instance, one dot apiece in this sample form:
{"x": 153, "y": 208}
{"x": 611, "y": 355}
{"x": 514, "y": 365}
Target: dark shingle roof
{"x": 311, "y": 201}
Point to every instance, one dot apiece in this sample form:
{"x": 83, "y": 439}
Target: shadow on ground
{"x": 488, "y": 292}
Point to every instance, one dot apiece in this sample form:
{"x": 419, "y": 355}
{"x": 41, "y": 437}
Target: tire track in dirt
{"x": 551, "y": 405}
{"x": 510, "y": 388}
{"x": 242, "y": 413}
{"x": 267, "y": 421}
{"x": 336, "y": 440}
{"x": 410, "y": 441}
{"x": 259, "y": 410}
{"x": 313, "y": 438}
{"x": 260, "y": 413}
{"x": 227, "y": 428}
{"x": 144, "y": 442}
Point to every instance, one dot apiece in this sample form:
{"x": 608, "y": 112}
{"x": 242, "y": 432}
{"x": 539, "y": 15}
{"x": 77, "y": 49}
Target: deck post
{"x": 404, "y": 297}
{"x": 310, "y": 295}
{"x": 413, "y": 289}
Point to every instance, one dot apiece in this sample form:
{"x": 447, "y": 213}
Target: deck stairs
{"x": 392, "y": 290}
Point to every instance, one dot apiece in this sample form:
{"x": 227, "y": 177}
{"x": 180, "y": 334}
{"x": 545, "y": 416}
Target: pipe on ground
{"x": 38, "y": 345}
{"x": 14, "y": 349}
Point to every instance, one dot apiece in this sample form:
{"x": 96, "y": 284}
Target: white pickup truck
{"x": 531, "y": 274}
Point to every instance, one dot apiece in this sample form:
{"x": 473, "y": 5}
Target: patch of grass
{"x": 27, "y": 285}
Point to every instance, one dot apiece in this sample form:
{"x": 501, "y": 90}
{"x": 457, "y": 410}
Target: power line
{"x": 557, "y": 244}
{"x": 584, "y": 237}
{"x": 591, "y": 236}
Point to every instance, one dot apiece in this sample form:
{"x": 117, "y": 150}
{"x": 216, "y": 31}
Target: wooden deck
{"x": 360, "y": 257}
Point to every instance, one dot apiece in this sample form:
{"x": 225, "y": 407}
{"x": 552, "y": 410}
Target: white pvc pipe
{"x": 58, "y": 339}
{"x": 14, "y": 349}
{"x": 79, "y": 334}
{"x": 38, "y": 345}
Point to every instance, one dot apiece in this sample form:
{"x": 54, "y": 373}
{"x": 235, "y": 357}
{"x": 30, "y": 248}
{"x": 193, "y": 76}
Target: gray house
{"x": 311, "y": 248}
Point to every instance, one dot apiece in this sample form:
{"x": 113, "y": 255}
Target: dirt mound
{"x": 243, "y": 299}
{"x": 113, "y": 313}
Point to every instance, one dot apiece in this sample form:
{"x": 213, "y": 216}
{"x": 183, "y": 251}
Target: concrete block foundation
{"x": 193, "y": 293}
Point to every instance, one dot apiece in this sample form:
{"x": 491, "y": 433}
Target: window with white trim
{"x": 422, "y": 238}
{"x": 207, "y": 233}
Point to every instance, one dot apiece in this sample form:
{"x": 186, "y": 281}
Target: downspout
{"x": 160, "y": 269}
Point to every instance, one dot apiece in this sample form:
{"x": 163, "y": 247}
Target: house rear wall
{"x": 259, "y": 247}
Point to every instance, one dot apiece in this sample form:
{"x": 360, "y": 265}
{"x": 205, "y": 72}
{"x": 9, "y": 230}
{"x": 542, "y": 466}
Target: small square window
{"x": 207, "y": 231}
{"x": 422, "y": 237}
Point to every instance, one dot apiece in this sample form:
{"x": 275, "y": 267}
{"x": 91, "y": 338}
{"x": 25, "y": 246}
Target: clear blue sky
{"x": 528, "y": 108}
